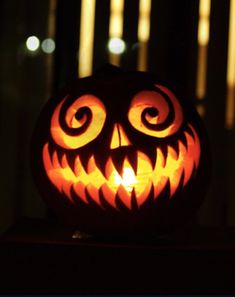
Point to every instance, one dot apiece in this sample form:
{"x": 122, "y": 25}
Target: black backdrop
{"x": 172, "y": 57}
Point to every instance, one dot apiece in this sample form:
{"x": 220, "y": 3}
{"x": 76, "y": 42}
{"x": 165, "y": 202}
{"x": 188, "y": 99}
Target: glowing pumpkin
{"x": 119, "y": 153}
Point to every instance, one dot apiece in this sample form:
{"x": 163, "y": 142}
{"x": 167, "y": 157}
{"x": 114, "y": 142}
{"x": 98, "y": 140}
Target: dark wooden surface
{"x": 40, "y": 257}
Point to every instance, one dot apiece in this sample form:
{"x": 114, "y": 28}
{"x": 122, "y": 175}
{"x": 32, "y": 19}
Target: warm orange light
{"x": 144, "y": 20}
{"x": 86, "y": 42}
{"x": 143, "y": 33}
{"x": 230, "y": 104}
{"x": 119, "y": 137}
{"x": 204, "y": 22}
{"x": 171, "y": 167}
{"x": 203, "y": 40}
{"x": 116, "y": 26}
{"x": 98, "y": 115}
{"x": 152, "y": 99}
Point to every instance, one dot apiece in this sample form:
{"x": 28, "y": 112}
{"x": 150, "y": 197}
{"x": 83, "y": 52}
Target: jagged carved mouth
{"x": 128, "y": 180}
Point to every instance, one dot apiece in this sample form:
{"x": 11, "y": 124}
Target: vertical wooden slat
{"x": 203, "y": 39}
{"x": 86, "y": 43}
{"x": 230, "y": 116}
{"x": 230, "y": 102}
{"x": 143, "y": 34}
{"x": 116, "y": 26}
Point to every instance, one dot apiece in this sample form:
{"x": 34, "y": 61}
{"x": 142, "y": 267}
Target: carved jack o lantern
{"x": 119, "y": 153}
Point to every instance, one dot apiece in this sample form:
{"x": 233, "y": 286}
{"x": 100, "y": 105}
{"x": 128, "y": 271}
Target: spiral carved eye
{"x": 78, "y": 124}
{"x": 156, "y": 113}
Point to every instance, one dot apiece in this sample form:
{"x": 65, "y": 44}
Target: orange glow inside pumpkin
{"x": 97, "y": 122}
{"x": 152, "y": 99}
{"x": 119, "y": 137}
{"x": 111, "y": 183}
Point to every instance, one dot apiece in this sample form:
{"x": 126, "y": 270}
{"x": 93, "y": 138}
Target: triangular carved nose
{"x": 119, "y": 137}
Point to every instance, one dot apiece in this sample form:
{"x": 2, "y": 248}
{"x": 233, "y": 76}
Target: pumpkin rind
{"x": 129, "y": 166}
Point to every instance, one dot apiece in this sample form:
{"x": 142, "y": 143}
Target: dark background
{"x": 25, "y": 85}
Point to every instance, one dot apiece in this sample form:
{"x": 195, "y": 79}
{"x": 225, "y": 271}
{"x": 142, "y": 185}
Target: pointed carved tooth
{"x": 189, "y": 130}
{"x": 84, "y": 159}
{"x": 159, "y": 162}
{"x": 163, "y": 155}
{"x": 101, "y": 161}
{"x": 127, "y": 166}
{"x": 71, "y": 162}
{"x": 175, "y": 181}
{"x": 79, "y": 189}
{"x": 144, "y": 175}
{"x": 105, "y": 204}
{"x": 194, "y": 148}
{"x": 189, "y": 139}
{"x": 167, "y": 190}
{"x": 66, "y": 187}
{"x": 52, "y": 173}
{"x": 91, "y": 200}
{"x": 158, "y": 179}
{"x": 141, "y": 197}
{"x": 164, "y": 194}
{"x": 171, "y": 153}
{"x": 175, "y": 146}
{"x": 144, "y": 164}
{"x": 192, "y": 155}
{"x": 64, "y": 162}
{"x": 133, "y": 160}
{"x": 179, "y": 186}
{"x": 60, "y": 155}
{"x": 181, "y": 182}
{"x": 46, "y": 158}
{"x": 78, "y": 201}
{"x": 183, "y": 139}
{"x": 124, "y": 196}
{"x": 159, "y": 186}
{"x": 50, "y": 150}
{"x": 150, "y": 200}
{"x": 78, "y": 168}
{"x": 134, "y": 204}
{"x": 174, "y": 167}
{"x": 120, "y": 205}
{"x": 153, "y": 158}
{"x": 197, "y": 148}
{"x": 109, "y": 195}
{"x": 152, "y": 155}
{"x": 94, "y": 193}
{"x": 118, "y": 162}
{"x": 55, "y": 160}
{"x": 91, "y": 166}
{"x": 109, "y": 168}
{"x": 188, "y": 168}
{"x": 182, "y": 149}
